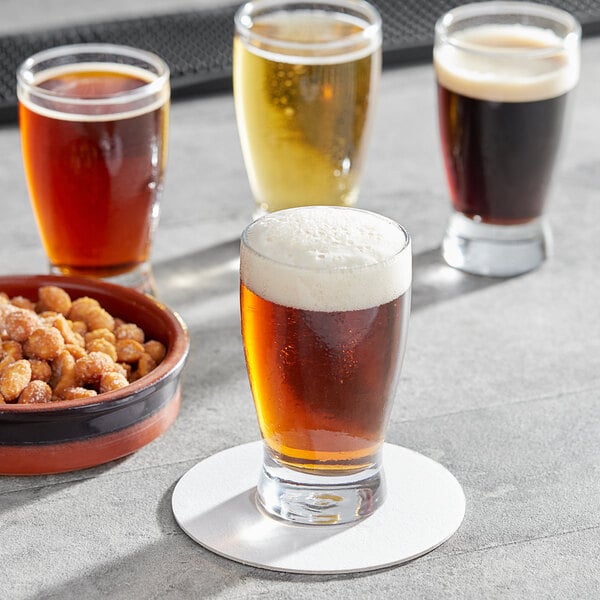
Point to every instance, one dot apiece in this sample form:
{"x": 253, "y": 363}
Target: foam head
{"x": 507, "y": 63}
{"x": 326, "y": 258}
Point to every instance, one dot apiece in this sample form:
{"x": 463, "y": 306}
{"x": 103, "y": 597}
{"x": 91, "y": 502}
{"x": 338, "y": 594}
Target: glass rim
{"x": 26, "y": 73}
{"x": 499, "y": 8}
{"x": 244, "y": 18}
{"x": 406, "y": 246}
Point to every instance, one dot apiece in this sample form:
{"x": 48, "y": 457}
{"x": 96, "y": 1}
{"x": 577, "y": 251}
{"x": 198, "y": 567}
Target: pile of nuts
{"x": 61, "y": 349}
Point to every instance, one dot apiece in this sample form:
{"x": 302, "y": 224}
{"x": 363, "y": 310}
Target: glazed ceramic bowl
{"x": 75, "y": 434}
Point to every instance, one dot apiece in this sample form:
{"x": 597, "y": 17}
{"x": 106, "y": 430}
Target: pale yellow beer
{"x": 305, "y": 83}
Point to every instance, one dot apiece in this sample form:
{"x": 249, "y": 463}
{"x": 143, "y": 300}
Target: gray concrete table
{"x": 501, "y": 382}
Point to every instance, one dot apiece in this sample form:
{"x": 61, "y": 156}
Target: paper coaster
{"x": 214, "y": 504}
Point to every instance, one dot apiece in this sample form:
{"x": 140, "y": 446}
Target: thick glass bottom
{"x": 310, "y": 499}
{"x": 495, "y": 250}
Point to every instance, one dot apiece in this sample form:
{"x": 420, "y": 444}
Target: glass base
{"x": 140, "y": 278}
{"x": 495, "y": 250}
{"x": 305, "y": 498}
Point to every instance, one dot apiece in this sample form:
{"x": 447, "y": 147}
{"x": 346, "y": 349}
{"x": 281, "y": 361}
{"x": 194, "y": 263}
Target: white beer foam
{"x": 480, "y": 66}
{"x": 326, "y": 258}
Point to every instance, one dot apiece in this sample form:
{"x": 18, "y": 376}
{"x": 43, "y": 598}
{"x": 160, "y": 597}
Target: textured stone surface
{"x": 501, "y": 382}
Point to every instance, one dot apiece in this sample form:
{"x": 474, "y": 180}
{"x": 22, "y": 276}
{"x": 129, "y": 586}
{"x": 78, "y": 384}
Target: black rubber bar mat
{"x": 197, "y": 44}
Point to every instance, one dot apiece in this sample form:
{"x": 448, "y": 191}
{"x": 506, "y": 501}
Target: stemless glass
{"x": 305, "y": 77}
{"x": 94, "y": 120}
{"x": 505, "y": 72}
{"x": 325, "y": 302}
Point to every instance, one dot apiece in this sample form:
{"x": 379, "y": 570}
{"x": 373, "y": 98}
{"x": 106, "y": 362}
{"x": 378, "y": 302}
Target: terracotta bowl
{"x": 75, "y": 434}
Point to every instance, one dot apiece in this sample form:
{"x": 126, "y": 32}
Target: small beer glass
{"x": 305, "y": 78}
{"x": 505, "y": 72}
{"x": 93, "y": 120}
{"x": 325, "y": 302}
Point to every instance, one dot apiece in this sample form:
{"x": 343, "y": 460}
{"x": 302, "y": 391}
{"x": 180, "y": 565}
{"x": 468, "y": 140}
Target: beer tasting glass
{"x": 325, "y": 302}
{"x": 93, "y": 121}
{"x": 505, "y": 72}
{"x": 305, "y": 78}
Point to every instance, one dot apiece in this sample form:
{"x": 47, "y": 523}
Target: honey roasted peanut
{"x": 55, "y": 348}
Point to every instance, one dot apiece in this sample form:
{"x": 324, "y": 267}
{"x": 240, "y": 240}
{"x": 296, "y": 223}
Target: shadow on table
{"x": 199, "y": 276}
{"x": 173, "y": 566}
{"x": 434, "y": 281}
{"x": 18, "y": 491}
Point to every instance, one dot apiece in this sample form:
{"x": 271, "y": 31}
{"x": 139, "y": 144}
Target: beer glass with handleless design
{"x": 93, "y": 120}
{"x": 325, "y": 301}
{"x": 505, "y": 73}
{"x": 305, "y": 78}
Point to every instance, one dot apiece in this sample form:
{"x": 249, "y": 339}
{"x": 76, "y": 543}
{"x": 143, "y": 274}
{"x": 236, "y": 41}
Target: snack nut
{"x": 57, "y": 349}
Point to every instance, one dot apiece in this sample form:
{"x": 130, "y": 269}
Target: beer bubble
{"x": 288, "y": 355}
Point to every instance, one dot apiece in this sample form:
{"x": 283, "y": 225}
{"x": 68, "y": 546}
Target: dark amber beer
{"x": 323, "y": 382}
{"x": 94, "y": 139}
{"x": 325, "y": 299}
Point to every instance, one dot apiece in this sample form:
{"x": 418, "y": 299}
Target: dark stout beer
{"x": 501, "y": 120}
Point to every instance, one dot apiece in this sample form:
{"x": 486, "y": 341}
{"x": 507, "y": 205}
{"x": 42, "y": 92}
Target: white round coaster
{"x": 214, "y": 504}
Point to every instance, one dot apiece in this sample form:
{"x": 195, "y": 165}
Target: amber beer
{"x": 305, "y": 82}
{"x": 94, "y": 139}
{"x": 501, "y": 120}
{"x": 324, "y": 326}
